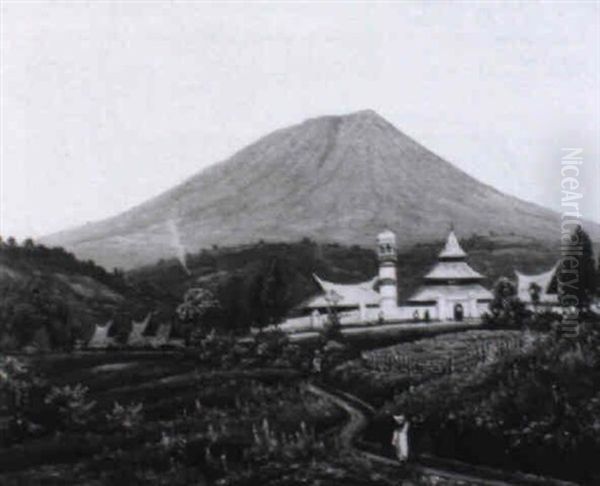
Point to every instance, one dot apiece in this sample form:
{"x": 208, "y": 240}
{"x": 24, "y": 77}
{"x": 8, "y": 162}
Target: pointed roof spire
{"x": 452, "y": 249}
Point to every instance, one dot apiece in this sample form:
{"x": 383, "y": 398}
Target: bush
{"x": 527, "y": 409}
{"x": 71, "y": 405}
{"x": 125, "y": 417}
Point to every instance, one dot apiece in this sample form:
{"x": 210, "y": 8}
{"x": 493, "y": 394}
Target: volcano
{"x": 333, "y": 179}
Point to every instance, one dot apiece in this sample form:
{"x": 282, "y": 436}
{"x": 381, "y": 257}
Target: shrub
{"x": 21, "y": 391}
{"x": 71, "y": 405}
{"x": 125, "y": 417}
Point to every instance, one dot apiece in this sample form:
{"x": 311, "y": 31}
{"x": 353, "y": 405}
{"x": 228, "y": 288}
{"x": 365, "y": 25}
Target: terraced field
{"x": 176, "y": 421}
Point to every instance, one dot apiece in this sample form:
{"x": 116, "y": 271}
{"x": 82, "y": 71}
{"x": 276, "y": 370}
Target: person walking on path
{"x": 400, "y": 438}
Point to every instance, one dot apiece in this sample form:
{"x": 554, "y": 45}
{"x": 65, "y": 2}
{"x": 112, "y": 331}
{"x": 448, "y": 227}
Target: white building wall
{"x": 387, "y": 271}
{"x": 482, "y": 308}
{"x": 388, "y": 289}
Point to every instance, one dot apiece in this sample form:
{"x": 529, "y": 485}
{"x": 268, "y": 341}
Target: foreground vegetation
{"x": 535, "y": 409}
{"x": 236, "y": 412}
{"x": 157, "y": 418}
{"x": 233, "y": 409}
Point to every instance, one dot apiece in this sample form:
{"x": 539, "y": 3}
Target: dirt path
{"x": 357, "y": 420}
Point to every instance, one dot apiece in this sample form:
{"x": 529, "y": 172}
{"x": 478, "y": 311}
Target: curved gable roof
{"x": 347, "y": 294}
{"x": 544, "y": 280}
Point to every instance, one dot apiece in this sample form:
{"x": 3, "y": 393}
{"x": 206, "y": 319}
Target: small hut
{"x": 100, "y": 338}
{"x": 136, "y": 337}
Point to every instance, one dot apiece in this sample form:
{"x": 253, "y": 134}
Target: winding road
{"x": 357, "y": 421}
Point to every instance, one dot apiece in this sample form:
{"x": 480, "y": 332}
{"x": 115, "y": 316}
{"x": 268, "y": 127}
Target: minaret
{"x": 388, "y": 285}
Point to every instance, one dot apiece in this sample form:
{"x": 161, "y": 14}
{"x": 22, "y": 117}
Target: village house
{"x": 539, "y": 292}
{"x": 138, "y": 336}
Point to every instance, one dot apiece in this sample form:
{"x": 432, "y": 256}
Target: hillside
{"x": 333, "y": 179}
{"x": 49, "y": 299}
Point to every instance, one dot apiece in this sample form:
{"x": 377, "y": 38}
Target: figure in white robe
{"x": 400, "y": 438}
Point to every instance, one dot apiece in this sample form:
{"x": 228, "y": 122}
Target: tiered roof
{"x": 451, "y": 265}
{"x": 452, "y": 249}
{"x": 453, "y": 271}
{"x": 451, "y": 276}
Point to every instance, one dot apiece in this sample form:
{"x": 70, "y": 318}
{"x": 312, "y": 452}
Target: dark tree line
{"x": 577, "y": 283}
{"x": 56, "y": 258}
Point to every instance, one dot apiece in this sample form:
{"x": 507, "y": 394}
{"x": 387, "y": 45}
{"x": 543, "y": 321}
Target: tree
{"x": 28, "y": 244}
{"x": 598, "y": 277}
{"x": 577, "y": 271}
{"x": 273, "y": 293}
{"x": 534, "y": 292}
{"x": 506, "y": 307}
{"x": 30, "y": 314}
{"x": 267, "y": 296}
{"x": 333, "y": 327}
{"x": 197, "y": 304}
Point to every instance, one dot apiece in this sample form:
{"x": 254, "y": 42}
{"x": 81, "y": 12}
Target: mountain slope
{"x": 334, "y": 178}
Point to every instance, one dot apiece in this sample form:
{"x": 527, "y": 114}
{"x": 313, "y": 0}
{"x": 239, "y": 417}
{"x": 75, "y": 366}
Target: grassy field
{"x": 174, "y": 419}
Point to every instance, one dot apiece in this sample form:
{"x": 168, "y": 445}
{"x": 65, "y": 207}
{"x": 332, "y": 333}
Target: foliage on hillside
{"x": 29, "y": 254}
{"x": 49, "y": 299}
{"x": 535, "y": 410}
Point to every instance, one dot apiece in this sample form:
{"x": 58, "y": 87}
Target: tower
{"x": 388, "y": 285}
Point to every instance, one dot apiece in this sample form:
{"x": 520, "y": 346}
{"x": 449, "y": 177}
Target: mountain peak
{"x": 366, "y": 113}
{"x": 333, "y": 179}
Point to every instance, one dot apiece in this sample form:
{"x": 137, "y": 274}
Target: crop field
{"x": 147, "y": 417}
{"x": 381, "y": 373}
{"x": 444, "y": 353}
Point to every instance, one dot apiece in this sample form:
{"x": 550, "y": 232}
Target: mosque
{"x": 450, "y": 291}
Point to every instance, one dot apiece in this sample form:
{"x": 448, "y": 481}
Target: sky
{"x": 106, "y": 104}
